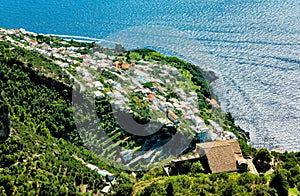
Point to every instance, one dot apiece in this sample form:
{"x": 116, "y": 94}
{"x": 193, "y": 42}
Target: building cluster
{"x": 165, "y": 88}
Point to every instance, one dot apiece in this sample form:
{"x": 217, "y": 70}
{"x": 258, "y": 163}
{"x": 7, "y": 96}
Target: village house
{"x": 65, "y": 65}
{"x": 173, "y": 117}
{"x": 168, "y": 81}
{"x": 109, "y": 177}
{"x": 161, "y": 98}
{"x": 110, "y": 94}
{"x": 202, "y": 132}
{"x": 193, "y": 94}
{"x": 222, "y": 156}
{"x": 169, "y": 105}
{"x": 121, "y": 64}
{"x": 102, "y": 172}
{"x": 192, "y": 100}
{"x": 117, "y": 105}
{"x": 217, "y": 128}
{"x": 229, "y": 135}
{"x": 151, "y": 97}
{"x": 100, "y": 55}
{"x": 118, "y": 95}
{"x": 215, "y": 157}
{"x": 99, "y": 95}
{"x": 174, "y": 72}
{"x": 162, "y": 106}
{"x": 111, "y": 82}
{"x": 212, "y": 102}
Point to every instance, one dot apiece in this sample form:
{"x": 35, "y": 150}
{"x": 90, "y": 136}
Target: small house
{"x": 106, "y": 189}
{"x": 99, "y": 95}
{"x": 202, "y": 133}
{"x": 121, "y": 64}
{"x": 217, "y": 128}
{"x": 173, "y": 117}
{"x": 98, "y": 85}
{"x": 222, "y": 156}
{"x": 212, "y": 102}
{"x": 111, "y": 82}
{"x": 151, "y": 96}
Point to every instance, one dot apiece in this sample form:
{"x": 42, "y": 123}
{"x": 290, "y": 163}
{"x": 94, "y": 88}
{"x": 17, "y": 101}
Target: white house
{"x": 217, "y": 128}
{"x": 99, "y": 94}
{"x": 111, "y": 82}
{"x": 106, "y": 189}
{"x": 174, "y": 72}
{"x": 93, "y": 167}
{"x": 193, "y": 94}
{"x": 65, "y": 65}
{"x": 98, "y": 85}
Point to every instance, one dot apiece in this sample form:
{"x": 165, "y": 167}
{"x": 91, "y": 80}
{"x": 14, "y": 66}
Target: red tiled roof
{"x": 150, "y": 96}
{"x": 172, "y": 115}
{"x": 125, "y": 65}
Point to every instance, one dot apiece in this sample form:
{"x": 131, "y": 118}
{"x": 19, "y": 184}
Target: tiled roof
{"x": 125, "y": 65}
{"x": 221, "y": 159}
{"x": 221, "y": 155}
{"x": 172, "y": 115}
{"x": 150, "y": 96}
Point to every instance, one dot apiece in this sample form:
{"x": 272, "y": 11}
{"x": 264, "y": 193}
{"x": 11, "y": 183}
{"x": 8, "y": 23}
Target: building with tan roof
{"x": 222, "y": 156}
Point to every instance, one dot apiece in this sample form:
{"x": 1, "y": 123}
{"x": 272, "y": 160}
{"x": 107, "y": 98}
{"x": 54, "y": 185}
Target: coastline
{"x": 210, "y": 76}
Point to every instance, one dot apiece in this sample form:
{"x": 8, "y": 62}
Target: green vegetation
{"x": 287, "y": 172}
{"x": 140, "y": 108}
{"x": 54, "y": 42}
{"x": 202, "y": 184}
{"x": 38, "y": 157}
{"x": 190, "y": 70}
{"x": 116, "y": 132}
{"x": 85, "y": 45}
{"x": 4, "y": 119}
{"x": 194, "y": 71}
{"x": 148, "y": 85}
{"x": 44, "y": 154}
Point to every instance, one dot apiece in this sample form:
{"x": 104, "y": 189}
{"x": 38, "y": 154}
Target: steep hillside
{"x": 38, "y": 158}
{"x": 4, "y": 119}
{"x": 45, "y": 155}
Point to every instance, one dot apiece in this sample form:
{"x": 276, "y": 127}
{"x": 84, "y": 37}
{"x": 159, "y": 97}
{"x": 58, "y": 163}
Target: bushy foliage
{"x": 38, "y": 159}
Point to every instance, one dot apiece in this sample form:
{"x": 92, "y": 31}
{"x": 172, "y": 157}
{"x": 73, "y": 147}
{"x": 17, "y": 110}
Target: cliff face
{"x": 4, "y": 119}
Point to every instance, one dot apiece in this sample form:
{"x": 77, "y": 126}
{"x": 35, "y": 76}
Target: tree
{"x": 197, "y": 167}
{"x": 263, "y": 155}
{"x": 280, "y": 183}
{"x": 170, "y": 189}
{"x": 262, "y": 190}
{"x": 148, "y": 85}
{"x": 246, "y": 178}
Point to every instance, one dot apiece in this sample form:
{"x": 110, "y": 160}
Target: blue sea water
{"x": 254, "y": 46}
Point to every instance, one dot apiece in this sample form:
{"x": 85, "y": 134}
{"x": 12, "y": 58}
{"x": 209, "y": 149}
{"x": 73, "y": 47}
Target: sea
{"x": 252, "y": 45}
